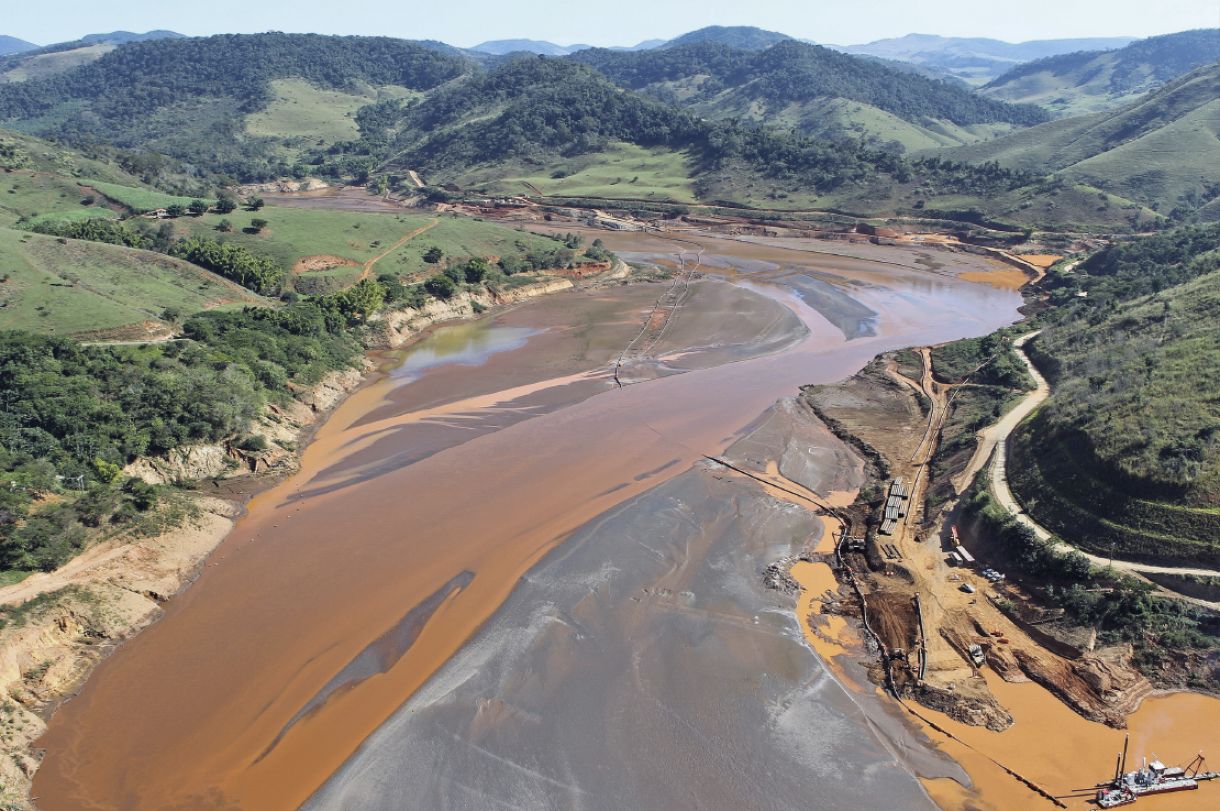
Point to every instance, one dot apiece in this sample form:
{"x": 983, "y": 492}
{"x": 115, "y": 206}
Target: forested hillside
{"x": 793, "y": 84}
{"x": 545, "y": 115}
{"x": 1128, "y": 446}
{"x": 743, "y": 37}
{"x": 188, "y": 98}
{"x": 1090, "y": 81}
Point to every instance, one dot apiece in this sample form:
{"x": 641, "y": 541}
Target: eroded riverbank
{"x": 419, "y": 508}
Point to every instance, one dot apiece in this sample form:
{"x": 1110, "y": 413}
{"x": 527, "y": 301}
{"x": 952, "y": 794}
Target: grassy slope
{"x": 1128, "y": 452}
{"x": 293, "y": 234}
{"x": 44, "y": 156}
{"x": 70, "y": 287}
{"x": 303, "y": 114}
{"x": 1079, "y": 91}
{"x": 1158, "y": 151}
{"x": 844, "y": 117}
{"x": 138, "y": 199}
{"x": 1080, "y": 83}
{"x": 39, "y": 66}
{"x": 622, "y": 170}
{"x": 35, "y": 196}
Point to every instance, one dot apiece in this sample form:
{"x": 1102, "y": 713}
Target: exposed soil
{"x": 925, "y": 654}
{"x": 310, "y": 264}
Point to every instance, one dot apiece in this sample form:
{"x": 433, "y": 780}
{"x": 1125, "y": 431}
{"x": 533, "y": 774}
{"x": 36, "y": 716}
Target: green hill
{"x": 743, "y": 37}
{"x": 13, "y": 45}
{"x": 813, "y": 90}
{"x": 549, "y": 119}
{"x": 1126, "y": 452}
{"x": 191, "y": 98}
{"x": 1162, "y": 151}
{"x": 1092, "y": 81}
{"x": 69, "y": 287}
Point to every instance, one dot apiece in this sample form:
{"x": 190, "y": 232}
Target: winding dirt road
{"x": 997, "y": 437}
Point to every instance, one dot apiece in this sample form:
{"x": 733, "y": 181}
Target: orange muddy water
{"x": 431, "y": 491}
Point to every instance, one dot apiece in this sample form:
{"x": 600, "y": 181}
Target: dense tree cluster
{"x": 137, "y": 97}
{"x": 73, "y": 415}
{"x": 95, "y": 229}
{"x": 141, "y": 78}
{"x": 258, "y": 273}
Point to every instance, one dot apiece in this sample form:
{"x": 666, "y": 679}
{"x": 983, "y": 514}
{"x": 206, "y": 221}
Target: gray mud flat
{"x": 643, "y": 665}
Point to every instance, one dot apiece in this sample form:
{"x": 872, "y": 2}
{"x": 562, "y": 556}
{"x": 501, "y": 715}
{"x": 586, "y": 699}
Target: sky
{"x": 612, "y": 22}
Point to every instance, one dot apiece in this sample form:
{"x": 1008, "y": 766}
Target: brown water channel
{"x": 432, "y": 491}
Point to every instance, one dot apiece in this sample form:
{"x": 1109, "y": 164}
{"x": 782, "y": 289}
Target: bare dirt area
{"x": 946, "y": 640}
{"x": 312, "y": 264}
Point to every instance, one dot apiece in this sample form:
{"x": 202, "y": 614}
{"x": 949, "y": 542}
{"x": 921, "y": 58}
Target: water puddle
{"x": 469, "y": 344}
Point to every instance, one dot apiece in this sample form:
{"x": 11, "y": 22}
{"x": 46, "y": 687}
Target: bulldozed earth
{"x": 923, "y": 613}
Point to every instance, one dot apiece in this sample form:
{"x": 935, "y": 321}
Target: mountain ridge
{"x": 1091, "y": 81}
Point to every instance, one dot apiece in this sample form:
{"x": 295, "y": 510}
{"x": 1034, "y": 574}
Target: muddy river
{"x": 502, "y": 579}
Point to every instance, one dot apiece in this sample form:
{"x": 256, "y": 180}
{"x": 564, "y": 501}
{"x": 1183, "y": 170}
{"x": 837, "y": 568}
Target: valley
{"x": 692, "y": 423}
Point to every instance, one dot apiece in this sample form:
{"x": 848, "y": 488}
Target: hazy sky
{"x": 612, "y": 22}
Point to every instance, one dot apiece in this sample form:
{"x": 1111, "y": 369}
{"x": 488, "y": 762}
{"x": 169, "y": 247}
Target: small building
{"x": 966, "y": 556}
{"x": 888, "y": 526}
{"x": 955, "y": 559}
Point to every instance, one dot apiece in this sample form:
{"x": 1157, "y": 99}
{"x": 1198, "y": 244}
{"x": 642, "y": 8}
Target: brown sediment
{"x": 1059, "y": 750}
{"x": 1037, "y": 719}
{"x": 1042, "y": 260}
{"x": 1004, "y": 278}
{"x": 323, "y": 564}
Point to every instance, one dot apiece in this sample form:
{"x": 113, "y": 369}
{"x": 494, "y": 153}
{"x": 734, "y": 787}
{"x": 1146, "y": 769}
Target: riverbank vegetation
{"x": 75, "y": 415}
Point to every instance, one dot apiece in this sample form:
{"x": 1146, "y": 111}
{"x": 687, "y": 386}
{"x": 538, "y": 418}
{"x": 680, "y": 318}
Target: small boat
{"x": 1150, "y": 779}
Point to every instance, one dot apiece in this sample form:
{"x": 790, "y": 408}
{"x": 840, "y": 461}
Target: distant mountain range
{"x": 12, "y": 45}
{"x": 975, "y": 59}
{"x": 1089, "y": 81}
{"x": 503, "y": 47}
{"x": 123, "y": 37}
{"x": 744, "y": 37}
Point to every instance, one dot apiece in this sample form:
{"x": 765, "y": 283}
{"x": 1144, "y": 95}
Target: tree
{"x": 198, "y": 208}
{"x": 441, "y": 286}
{"x": 257, "y": 203}
{"x": 226, "y": 204}
{"x": 175, "y": 210}
{"x": 224, "y": 226}
{"x": 476, "y": 270}
{"x": 433, "y": 255}
{"x": 258, "y": 225}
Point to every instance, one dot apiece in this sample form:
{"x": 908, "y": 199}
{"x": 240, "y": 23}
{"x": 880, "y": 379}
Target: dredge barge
{"x": 1150, "y": 779}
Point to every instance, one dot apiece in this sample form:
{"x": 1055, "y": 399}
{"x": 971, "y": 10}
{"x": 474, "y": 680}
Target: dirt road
{"x": 997, "y": 437}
